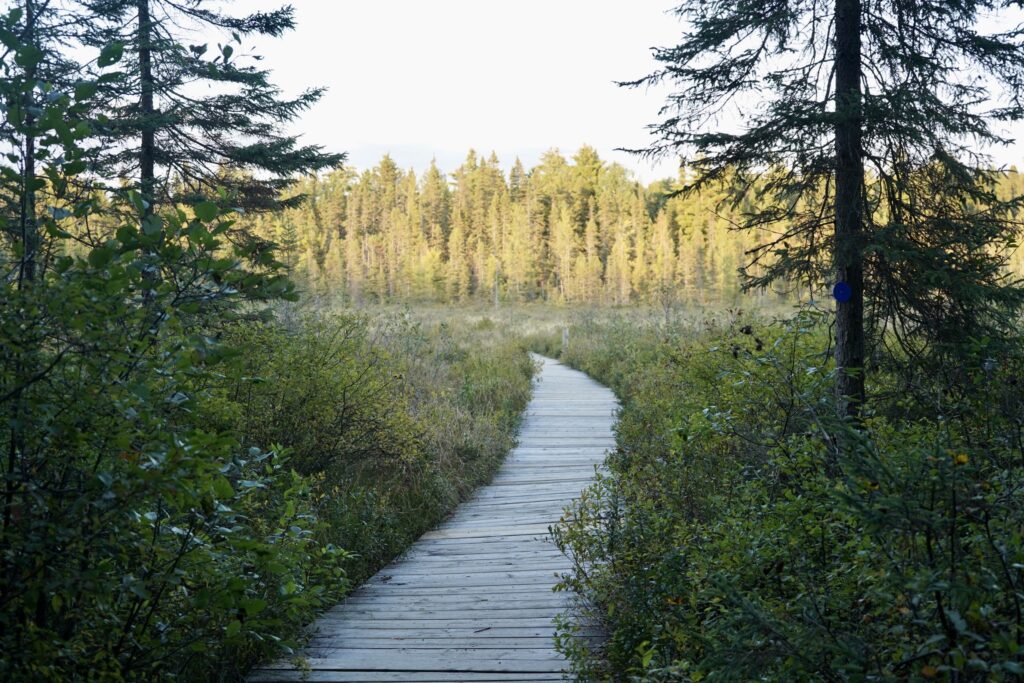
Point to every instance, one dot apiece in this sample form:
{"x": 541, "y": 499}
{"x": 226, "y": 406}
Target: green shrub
{"x": 138, "y": 540}
{"x": 733, "y": 540}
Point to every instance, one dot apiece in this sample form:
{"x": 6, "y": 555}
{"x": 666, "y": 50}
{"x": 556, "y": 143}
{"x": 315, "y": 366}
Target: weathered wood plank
{"x": 479, "y": 567}
{"x": 454, "y": 660}
{"x": 501, "y": 633}
{"x": 493, "y": 580}
{"x": 539, "y": 530}
{"x": 413, "y": 590}
{"x": 384, "y": 604}
{"x": 466, "y": 553}
{"x": 472, "y": 600}
{"x": 318, "y": 645}
{"x": 471, "y": 623}
{"x": 452, "y": 613}
{"x": 327, "y": 676}
{"x": 486, "y": 512}
{"x": 423, "y": 659}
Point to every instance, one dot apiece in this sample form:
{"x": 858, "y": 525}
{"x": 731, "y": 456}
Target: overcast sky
{"x": 424, "y": 78}
{"x": 433, "y": 78}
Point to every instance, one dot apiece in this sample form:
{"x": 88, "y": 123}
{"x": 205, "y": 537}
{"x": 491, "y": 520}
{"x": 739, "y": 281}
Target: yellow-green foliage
{"x": 577, "y": 230}
{"x": 734, "y": 540}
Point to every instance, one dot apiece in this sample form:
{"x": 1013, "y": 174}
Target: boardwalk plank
{"x": 327, "y": 676}
{"x": 501, "y": 633}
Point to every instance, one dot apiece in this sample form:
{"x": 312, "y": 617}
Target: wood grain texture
{"x": 472, "y": 600}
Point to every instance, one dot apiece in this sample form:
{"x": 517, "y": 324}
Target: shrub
{"x": 137, "y": 540}
{"x": 733, "y": 539}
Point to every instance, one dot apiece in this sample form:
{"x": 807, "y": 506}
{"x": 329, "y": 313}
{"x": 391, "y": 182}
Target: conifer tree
{"x": 856, "y": 121}
{"x": 40, "y": 72}
{"x": 436, "y": 201}
{"x": 517, "y": 181}
{"x": 618, "y": 275}
{"x": 174, "y": 142}
{"x": 387, "y": 228}
{"x": 563, "y": 249}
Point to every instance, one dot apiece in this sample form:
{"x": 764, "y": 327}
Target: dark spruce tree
{"x": 853, "y": 127}
{"x": 191, "y": 122}
{"x": 39, "y": 72}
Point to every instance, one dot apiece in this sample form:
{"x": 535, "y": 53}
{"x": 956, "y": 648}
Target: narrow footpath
{"x": 472, "y": 600}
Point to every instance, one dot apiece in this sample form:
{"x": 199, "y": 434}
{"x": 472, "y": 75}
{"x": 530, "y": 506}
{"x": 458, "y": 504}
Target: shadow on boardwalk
{"x": 472, "y": 600}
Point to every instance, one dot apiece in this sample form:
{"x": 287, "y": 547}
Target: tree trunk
{"x": 29, "y": 228}
{"x": 30, "y": 244}
{"x": 147, "y": 151}
{"x": 849, "y": 208}
{"x": 147, "y": 148}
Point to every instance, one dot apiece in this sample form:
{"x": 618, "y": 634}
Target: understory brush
{"x": 744, "y": 533}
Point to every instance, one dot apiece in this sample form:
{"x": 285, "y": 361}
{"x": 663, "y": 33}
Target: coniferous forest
{"x": 568, "y": 231}
{"x": 244, "y": 383}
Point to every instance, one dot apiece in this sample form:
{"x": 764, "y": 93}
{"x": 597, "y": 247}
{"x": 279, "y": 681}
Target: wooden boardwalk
{"x": 472, "y": 600}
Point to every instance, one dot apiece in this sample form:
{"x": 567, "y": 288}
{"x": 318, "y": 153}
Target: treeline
{"x": 572, "y": 231}
{"x": 577, "y": 230}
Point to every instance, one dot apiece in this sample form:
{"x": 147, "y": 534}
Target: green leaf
{"x": 206, "y": 211}
{"x": 110, "y": 54}
{"x": 646, "y": 655}
{"x": 137, "y": 201}
{"x": 152, "y": 225}
{"x": 74, "y": 167}
{"x": 253, "y": 606}
{"x": 139, "y": 589}
{"x": 126, "y": 235}
{"x": 100, "y": 256}
{"x": 85, "y": 90}
{"x": 222, "y": 487}
{"x": 234, "y": 627}
{"x": 28, "y": 56}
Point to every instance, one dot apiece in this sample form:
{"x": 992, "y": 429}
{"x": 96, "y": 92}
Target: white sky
{"x": 424, "y": 78}
{"x": 434, "y": 78}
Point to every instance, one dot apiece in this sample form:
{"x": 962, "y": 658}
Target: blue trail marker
{"x": 842, "y": 292}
